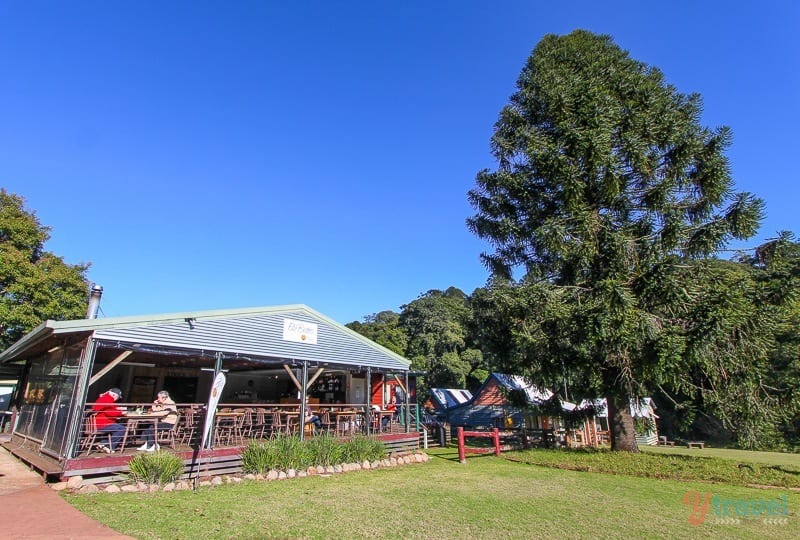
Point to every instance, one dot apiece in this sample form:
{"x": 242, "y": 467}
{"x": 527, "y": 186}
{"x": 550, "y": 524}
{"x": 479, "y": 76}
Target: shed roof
{"x": 257, "y": 333}
{"x": 533, "y": 394}
{"x": 640, "y": 408}
{"x": 450, "y": 397}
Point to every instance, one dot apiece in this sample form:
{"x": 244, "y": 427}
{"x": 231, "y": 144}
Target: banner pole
{"x": 211, "y": 412}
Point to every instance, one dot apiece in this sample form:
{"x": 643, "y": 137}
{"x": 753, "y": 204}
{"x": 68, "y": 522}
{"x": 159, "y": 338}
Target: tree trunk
{"x": 620, "y": 423}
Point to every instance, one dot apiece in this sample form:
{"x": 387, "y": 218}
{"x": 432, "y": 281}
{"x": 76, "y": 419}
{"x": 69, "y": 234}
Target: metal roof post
{"x": 301, "y": 420}
{"x": 407, "y": 405}
{"x": 81, "y": 391}
{"x": 368, "y": 393}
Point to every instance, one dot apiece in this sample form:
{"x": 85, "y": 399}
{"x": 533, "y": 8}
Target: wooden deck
{"x": 99, "y": 467}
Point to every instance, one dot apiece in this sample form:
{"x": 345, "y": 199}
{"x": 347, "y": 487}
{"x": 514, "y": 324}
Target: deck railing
{"x": 236, "y": 423}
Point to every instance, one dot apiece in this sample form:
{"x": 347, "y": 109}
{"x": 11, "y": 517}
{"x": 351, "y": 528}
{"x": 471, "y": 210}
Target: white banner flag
{"x": 211, "y": 411}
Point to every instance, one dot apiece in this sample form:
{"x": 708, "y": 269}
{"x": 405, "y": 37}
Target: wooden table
{"x": 379, "y": 416}
{"x": 349, "y": 419}
{"x": 132, "y": 421}
{"x": 230, "y": 414}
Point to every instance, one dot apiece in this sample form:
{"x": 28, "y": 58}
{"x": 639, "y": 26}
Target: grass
{"x": 486, "y": 497}
{"x": 674, "y": 466}
{"x": 742, "y": 456}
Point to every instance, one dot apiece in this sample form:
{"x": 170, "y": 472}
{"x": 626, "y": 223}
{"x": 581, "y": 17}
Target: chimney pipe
{"x": 94, "y": 301}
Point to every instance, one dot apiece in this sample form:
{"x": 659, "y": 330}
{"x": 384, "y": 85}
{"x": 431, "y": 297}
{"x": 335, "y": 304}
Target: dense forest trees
{"x": 439, "y": 341}
{"x": 35, "y": 284}
{"x": 434, "y": 332}
{"x": 748, "y": 394}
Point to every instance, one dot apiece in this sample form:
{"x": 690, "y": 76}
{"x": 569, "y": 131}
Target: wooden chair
{"x": 248, "y": 426}
{"x": 229, "y": 430}
{"x": 90, "y": 433}
{"x": 258, "y": 426}
{"x": 292, "y": 424}
{"x": 277, "y": 426}
{"x": 189, "y": 426}
{"x": 167, "y": 436}
{"x": 345, "y": 424}
{"x": 328, "y": 425}
{"x": 224, "y": 431}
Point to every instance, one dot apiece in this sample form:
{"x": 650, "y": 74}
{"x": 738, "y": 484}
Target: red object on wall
{"x": 376, "y": 390}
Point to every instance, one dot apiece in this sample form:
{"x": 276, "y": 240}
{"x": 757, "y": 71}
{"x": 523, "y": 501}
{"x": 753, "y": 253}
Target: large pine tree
{"x": 606, "y": 185}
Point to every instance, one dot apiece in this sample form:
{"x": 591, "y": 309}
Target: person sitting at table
{"x": 167, "y": 412}
{"x": 312, "y": 418}
{"x": 376, "y": 413}
{"x": 392, "y": 406}
{"x": 106, "y": 418}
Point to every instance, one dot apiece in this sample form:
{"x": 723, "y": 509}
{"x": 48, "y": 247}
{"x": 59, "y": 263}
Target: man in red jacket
{"x": 106, "y": 418}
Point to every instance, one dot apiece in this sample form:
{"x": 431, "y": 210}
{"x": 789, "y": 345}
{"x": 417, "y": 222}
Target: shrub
{"x": 361, "y": 448}
{"x": 288, "y": 452}
{"x": 326, "y": 449}
{"x": 259, "y": 457}
{"x": 156, "y": 468}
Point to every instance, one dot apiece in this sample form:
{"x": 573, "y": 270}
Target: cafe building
{"x": 276, "y": 362}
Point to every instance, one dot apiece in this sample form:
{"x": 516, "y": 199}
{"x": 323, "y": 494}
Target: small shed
{"x": 643, "y": 411}
{"x": 490, "y": 405}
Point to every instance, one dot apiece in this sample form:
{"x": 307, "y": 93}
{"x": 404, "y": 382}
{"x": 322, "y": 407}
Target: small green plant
{"x": 259, "y": 457}
{"x": 289, "y": 452}
{"x": 156, "y": 468}
{"x": 326, "y": 449}
{"x": 362, "y": 448}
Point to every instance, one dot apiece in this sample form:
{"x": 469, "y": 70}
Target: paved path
{"x": 29, "y": 509}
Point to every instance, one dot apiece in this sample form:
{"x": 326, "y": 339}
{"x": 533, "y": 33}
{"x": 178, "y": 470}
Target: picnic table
{"x": 663, "y": 441}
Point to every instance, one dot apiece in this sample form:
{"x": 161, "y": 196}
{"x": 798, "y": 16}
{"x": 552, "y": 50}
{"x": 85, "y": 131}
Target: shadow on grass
{"x": 448, "y": 454}
{"x": 781, "y": 469}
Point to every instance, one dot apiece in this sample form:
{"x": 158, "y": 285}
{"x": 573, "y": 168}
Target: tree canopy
{"x": 35, "y": 285}
{"x": 383, "y": 328}
{"x": 439, "y": 339}
{"x": 435, "y": 332}
{"x": 607, "y": 189}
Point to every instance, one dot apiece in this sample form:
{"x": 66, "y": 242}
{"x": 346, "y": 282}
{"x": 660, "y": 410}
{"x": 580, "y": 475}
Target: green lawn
{"x": 744, "y": 456}
{"x": 487, "y": 497}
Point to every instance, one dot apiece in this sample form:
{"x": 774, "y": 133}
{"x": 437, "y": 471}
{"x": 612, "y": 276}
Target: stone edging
{"x": 76, "y": 485}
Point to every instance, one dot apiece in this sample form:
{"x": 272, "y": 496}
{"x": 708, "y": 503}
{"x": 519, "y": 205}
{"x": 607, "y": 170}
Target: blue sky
{"x": 212, "y": 155}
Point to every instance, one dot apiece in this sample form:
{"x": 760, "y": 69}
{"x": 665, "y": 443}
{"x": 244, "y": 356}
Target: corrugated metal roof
{"x": 516, "y": 382}
{"x": 450, "y": 397}
{"x": 249, "y": 332}
{"x": 479, "y": 415}
{"x": 642, "y": 408}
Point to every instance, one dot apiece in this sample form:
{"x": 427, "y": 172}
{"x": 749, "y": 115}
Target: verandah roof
{"x": 255, "y": 333}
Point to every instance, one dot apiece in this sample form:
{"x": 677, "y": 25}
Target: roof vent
{"x": 94, "y": 301}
